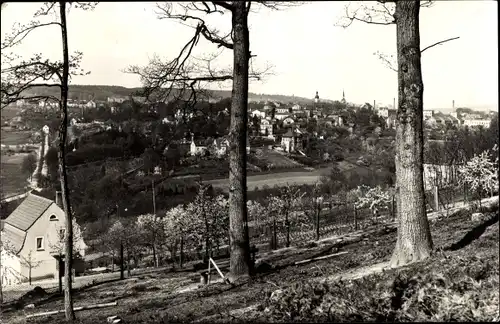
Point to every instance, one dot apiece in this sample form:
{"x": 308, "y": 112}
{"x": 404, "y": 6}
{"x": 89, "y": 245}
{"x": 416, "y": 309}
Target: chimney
{"x": 59, "y": 199}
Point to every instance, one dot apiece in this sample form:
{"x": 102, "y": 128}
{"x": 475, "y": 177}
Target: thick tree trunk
{"x": 414, "y": 240}
{"x": 238, "y": 225}
{"x": 63, "y": 129}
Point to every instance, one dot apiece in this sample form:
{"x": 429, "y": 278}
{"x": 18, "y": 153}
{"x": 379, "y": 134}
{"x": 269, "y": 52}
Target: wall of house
{"x": 49, "y": 230}
{"x": 10, "y": 269}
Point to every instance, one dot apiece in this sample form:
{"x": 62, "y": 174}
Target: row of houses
{"x": 433, "y": 118}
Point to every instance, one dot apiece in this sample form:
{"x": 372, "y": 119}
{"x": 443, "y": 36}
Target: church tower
{"x": 343, "y": 97}
{"x": 316, "y": 97}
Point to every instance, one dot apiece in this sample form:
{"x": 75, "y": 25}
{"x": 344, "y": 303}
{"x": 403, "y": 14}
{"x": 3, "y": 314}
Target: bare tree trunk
{"x": 63, "y": 128}
{"x": 414, "y": 240}
{"x": 238, "y": 225}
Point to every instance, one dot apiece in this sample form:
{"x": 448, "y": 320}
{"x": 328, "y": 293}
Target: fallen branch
{"x": 75, "y": 309}
{"x": 319, "y": 258}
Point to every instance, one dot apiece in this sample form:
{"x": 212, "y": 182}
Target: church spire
{"x": 343, "y": 96}
{"x": 316, "y": 97}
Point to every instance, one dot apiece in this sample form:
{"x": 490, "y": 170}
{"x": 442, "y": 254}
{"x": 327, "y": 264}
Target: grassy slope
{"x": 155, "y": 298}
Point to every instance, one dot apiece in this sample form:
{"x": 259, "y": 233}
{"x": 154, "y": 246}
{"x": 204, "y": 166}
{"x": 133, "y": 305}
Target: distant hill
{"x": 102, "y": 92}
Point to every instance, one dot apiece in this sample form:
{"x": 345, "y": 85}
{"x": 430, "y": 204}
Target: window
{"x": 53, "y": 217}
{"x": 39, "y": 244}
{"x": 62, "y": 231}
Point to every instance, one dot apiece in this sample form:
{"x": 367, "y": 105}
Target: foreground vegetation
{"x": 460, "y": 282}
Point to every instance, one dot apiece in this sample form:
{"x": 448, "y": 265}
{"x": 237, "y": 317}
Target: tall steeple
{"x": 343, "y": 97}
{"x": 316, "y": 98}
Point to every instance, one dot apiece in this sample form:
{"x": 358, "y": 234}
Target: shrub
{"x": 458, "y": 289}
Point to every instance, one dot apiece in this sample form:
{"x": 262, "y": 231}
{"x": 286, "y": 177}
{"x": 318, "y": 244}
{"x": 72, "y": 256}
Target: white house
{"x": 282, "y": 110}
{"x": 90, "y": 104}
{"x": 196, "y": 149}
{"x": 31, "y": 235}
{"x": 290, "y": 141}
{"x": 221, "y": 146}
{"x": 266, "y": 127}
{"x": 383, "y": 112}
{"x": 477, "y": 122}
{"x": 428, "y": 113}
{"x": 288, "y": 120}
{"x": 259, "y": 113}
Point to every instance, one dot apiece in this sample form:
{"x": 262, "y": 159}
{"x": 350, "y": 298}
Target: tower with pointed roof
{"x": 316, "y": 97}
{"x": 343, "y": 97}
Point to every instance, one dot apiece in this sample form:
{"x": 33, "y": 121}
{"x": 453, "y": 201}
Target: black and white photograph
{"x": 249, "y": 162}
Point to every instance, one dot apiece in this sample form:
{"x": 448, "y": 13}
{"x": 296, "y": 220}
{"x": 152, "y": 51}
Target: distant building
{"x": 266, "y": 127}
{"x": 291, "y": 140}
{"x": 428, "y": 113}
{"x": 477, "y": 122}
{"x": 316, "y": 97}
{"x": 116, "y": 99}
{"x": 196, "y": 149}
{"x": 90, "y": 104}
{"x": 288, "y": 120}
{"x": 383, "y": 112}
{"x": 221, "y": 146}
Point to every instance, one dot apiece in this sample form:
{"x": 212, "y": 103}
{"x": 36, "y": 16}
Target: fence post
{"x": 355, "y": 218}
{"x": 436, "y": 197}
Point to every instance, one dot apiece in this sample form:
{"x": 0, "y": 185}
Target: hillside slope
{"x": 102, "y": 92}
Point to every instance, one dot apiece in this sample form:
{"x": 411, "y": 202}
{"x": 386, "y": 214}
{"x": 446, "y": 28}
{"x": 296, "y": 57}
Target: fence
{"x": 341, "y": 218}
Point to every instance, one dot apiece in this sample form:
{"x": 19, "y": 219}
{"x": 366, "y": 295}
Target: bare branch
{"x": 379, "y": 14}
{"x": 18, "y": 35}
{"x": 388, "y": 60}
{"x": 439, "y": 43}
{"x": 223, "y": 4}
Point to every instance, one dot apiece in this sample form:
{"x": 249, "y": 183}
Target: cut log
{"x": 319, "y": 258}
{"x": 80, "y": 308}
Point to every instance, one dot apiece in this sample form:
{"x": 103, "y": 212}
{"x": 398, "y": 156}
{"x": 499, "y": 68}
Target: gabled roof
{"x": 219, "y": 142}
{"x": 13, "y": 239}
{"x": 26, "y": 214}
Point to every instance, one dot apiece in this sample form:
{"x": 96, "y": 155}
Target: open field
{"x": 279, "y": 179}
{"x": 14, "y": 137}
{"x": 12, "y": 179}
{"x": 282, "y": 178}
{"x": 166, "y": 296}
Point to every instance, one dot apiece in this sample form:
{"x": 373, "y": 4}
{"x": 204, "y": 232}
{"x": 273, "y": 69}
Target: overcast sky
{"x": 308, "y": 52}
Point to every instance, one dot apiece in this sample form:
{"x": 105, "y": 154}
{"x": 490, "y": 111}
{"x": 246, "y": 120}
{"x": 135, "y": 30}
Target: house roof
{"x": 219, "y": 142}
{"x": 13, "y": 239}
{"x": 28, "y": 212}
{"x": 292, "y": 133}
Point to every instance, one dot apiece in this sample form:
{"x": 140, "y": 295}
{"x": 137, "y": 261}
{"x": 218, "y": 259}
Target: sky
{"x": 308, "y": 52}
